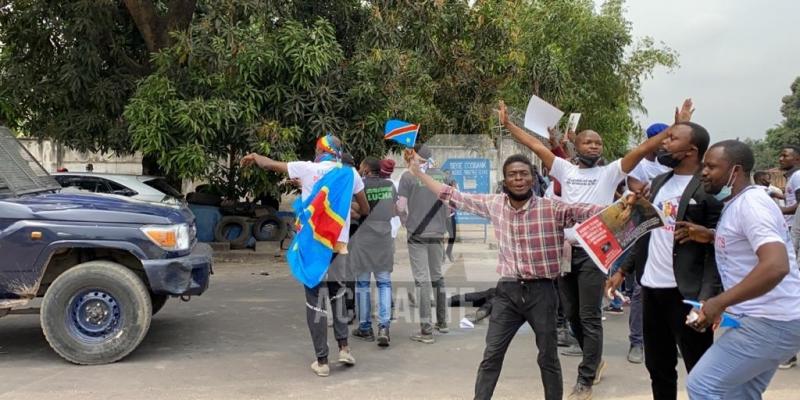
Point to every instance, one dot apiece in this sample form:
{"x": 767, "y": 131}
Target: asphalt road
{"x": 246, "y": 338}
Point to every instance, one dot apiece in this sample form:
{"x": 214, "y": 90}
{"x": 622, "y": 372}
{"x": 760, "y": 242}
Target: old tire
{"x": 269, "y": 228}
{"x": 96, "y": 313}
{"x": 203, "y": 199}
{"x": 158, "y": 301}
{"x": 235, "y": 230}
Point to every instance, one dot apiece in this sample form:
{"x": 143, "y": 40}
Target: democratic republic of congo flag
{"x": 321, "y": 218}
{"x": 401, "y": 132}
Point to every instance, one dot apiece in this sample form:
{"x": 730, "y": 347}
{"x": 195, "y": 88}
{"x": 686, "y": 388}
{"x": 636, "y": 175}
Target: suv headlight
{"x": 169, "y": 237}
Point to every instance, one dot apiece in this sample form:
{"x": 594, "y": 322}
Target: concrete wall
{"x": 53, "y": 156}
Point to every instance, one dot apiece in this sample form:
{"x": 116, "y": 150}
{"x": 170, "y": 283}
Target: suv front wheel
{"x": 96, "y": 313}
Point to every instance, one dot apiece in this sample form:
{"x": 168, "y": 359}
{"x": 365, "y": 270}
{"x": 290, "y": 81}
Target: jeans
{"x": 384, "y": 282}
{"x": 582, "y": 292}
{"x": 742, "y": 362}
{"x": 518, "y": 302}
{"x": 636, "y": 336}
{"x": 426, "y": 265}
{"x": 664, "y": 328}
{"x": 633, "y": 290}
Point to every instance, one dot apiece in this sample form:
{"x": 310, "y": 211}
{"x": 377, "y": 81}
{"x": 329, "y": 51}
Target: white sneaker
{"x": 321, "y": 370}
{"x": 345, "y": 357}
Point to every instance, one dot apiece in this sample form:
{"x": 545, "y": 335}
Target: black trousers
{"x": 582, "y": 293}
{"x": 664, "y": 319}
{"x": 451, "y": 232}
{"x": 518, "y": 302}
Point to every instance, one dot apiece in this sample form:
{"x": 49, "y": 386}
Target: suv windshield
{"x": 20, "y": 173}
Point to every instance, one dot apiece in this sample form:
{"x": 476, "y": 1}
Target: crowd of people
{"x": 730, "y": 241}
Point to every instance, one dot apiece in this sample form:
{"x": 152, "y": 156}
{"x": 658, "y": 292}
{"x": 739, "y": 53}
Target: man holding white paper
{"x": 582, "y": 288}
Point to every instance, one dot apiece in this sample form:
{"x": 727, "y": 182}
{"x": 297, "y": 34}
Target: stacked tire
{"x": 238, "y": 230}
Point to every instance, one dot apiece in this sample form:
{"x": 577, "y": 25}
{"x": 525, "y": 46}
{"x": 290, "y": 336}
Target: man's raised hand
{"x": 684, "y": 114}
{"x": 249, "y": 160}
{"x": 502, "y": 113}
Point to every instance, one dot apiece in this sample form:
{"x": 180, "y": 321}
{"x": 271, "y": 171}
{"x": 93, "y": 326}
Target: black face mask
{"x": 668, "y": 159}
{"x": 588, "y": 161}
{"x": 517, "y": 197}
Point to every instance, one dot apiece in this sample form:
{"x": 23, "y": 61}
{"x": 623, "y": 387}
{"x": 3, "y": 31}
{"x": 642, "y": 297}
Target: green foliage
{"x": 583, "y": 61}
{"x": 271, "y": 76}
{"x": 67, "y": 69}
{"x": 225, "y": 89}
{"x": 787, "y": 133}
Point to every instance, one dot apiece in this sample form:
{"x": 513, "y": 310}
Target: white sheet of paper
{"x": 540, "y": 115}
{"x": 466, "y": 324}
{"x": 572, "y": 125}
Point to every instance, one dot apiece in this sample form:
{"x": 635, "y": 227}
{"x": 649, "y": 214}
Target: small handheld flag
{"x": 728, "y": 321}
{"x": 401, "y": 132}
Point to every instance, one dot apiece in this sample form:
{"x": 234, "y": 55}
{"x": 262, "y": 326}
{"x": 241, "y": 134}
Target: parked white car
{"x": 145, "y": 188}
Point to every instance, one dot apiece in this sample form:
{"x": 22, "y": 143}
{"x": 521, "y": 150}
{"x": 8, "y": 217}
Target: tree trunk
{"x": 155, "y": 31}
{"x": 155, "y": 28}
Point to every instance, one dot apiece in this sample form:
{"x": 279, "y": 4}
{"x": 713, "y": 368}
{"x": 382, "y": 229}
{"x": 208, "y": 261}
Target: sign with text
{"x": 472, "y": 176}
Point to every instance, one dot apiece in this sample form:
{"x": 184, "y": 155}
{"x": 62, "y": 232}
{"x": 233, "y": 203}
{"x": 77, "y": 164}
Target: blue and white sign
{"x": 472, "y": 176}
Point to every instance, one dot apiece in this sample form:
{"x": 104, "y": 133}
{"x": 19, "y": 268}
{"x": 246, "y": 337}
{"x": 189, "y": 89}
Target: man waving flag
{"x": 323, "y": 213}
{"x": 321, "y": 217}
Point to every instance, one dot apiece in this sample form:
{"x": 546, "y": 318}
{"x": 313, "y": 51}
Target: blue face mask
{"x": 726, "y": 190}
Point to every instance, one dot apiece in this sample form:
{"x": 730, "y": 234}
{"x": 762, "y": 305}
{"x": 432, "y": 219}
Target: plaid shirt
{"x": 531, "y": 238}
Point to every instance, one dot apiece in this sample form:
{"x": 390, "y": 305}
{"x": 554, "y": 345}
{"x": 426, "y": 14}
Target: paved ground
{"x": 247, "y": 339}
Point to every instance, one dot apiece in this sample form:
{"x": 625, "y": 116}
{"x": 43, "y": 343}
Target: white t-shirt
{"x": 749, "y": 221}
{"x": 587, "y": 185}
{"x": 310, "y": 172}
{"x": 658, "y": 270}
{"x": 792, "y": 184}
{"x": 395, "y": 221}
{"x": 646, "y": 170}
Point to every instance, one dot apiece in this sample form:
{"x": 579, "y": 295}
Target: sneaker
{"x": 580, "y": 392}
{"x": 636, "y": 354}
{"x": 346, "y": 358}
{"x": 614, "y": 310}
{"x": 565, "y": 339}
{"x": 367, "y": 336}
{"x": 572, "y": 351}
{"x": 598, "y": 376}
{"x": 789, "y": 364}
{"x": 322, "y": 370}
{"x": 423, "y": 338}
{"x": 383, "y": 337}
{"x": 442, "y": 327}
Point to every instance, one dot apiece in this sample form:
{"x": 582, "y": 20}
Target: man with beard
{"x": 669, "y": 271}
{"x": 582, "y": 287}
{"x": 530, "y": 232}
{"x": 761, "y": 282}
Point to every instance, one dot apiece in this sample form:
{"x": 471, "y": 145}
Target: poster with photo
{"x": 607, "y": 235}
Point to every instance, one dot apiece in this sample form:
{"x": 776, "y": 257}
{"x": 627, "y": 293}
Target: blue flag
{"x": 320, "y": 218}
{"x": 728, "y": 321}
{"x": 401, "y": 132}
